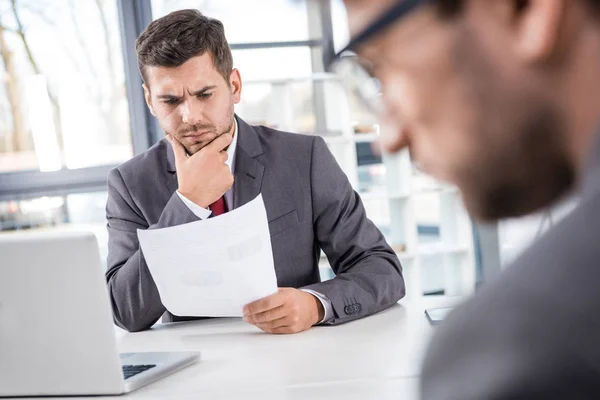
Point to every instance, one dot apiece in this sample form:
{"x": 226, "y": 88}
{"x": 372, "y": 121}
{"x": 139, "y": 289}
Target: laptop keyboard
{"x": 132, "y": 370}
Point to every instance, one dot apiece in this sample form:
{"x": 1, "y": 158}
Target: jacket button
{"x": 352, "y": 309}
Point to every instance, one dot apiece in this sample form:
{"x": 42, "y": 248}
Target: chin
{"x": 195, "y": 147}
{"x": 512, "y": 201}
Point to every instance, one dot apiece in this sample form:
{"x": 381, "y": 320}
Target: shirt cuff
{"x": 200, "y": 212}
{"x": 326, "y": 305}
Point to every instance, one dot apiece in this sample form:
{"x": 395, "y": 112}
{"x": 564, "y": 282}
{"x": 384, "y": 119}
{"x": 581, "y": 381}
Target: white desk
{"x": 373, "y": 358}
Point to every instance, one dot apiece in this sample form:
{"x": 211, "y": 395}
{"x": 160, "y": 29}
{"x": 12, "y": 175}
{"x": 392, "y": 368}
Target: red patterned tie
{"x": 218, "y": 207}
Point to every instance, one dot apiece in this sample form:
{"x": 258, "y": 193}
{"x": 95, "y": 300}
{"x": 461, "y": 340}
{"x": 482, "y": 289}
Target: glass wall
{"x": 62, "y": 97}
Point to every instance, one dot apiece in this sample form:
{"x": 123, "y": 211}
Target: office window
{"x": 339, "y": 23}
{"x": 62, "y": 94}
{"x": 273, "y": 64}
{"x": 248, "y": 21}
{"x": 73, "y": 212}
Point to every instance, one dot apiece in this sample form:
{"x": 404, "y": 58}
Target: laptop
{"x": 57, "y": 336}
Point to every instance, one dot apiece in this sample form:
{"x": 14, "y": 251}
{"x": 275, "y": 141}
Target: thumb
{"x": 178, "y": 149}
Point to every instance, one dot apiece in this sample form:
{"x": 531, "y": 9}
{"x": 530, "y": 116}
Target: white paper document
{"x": 213, "y": 267}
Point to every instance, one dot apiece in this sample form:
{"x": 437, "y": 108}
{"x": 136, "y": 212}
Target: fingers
{"x": 266, "y": 316}
{"x": 282, "y": 330}
{"x": 224, "y": 156}
{"x": 178, "y": 149}
{"x": 267, "y": 303}
{"x": 220, "y": 143}
{"x": 271, "y": 325}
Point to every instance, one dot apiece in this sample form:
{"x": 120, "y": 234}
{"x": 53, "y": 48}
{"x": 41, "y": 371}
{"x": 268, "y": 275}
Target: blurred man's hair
{"x": 173, "y": 39}
{"x": 449, "y": 8}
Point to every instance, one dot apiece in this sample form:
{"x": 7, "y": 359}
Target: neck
{"x": 232, "y": 131}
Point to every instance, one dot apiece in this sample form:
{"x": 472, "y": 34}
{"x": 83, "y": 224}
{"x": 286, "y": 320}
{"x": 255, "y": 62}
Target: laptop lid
{"x": 56, "y": 330}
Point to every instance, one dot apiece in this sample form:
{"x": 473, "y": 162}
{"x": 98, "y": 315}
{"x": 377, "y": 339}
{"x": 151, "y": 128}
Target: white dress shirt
{"x": 204, "y": 213}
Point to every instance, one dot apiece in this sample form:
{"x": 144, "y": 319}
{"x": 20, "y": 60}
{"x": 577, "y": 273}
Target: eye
{"x": 205, "y": 95}
{"x": 171, "y": 101}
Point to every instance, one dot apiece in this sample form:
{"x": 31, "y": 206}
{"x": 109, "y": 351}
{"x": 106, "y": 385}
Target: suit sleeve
{"x": 512, "y": 347}
{"x": 368, "y": 272}
{"x": 134, "y": 297}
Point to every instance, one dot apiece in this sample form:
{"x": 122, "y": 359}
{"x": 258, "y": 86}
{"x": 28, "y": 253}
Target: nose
{"x": 191, "y": 112}
{"x": 393, "y": 135}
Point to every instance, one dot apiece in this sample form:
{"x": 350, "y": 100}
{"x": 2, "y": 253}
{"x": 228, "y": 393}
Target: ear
{"x": 148, "y": 98}
{"x": 235, "y": 82}
{"x": 539, "y": 27}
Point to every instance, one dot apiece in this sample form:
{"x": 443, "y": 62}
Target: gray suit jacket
{"x": 534, "y": 332}
{"x": 310, "y": 206}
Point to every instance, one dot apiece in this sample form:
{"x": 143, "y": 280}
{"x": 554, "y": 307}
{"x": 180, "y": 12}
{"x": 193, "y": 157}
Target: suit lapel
{"x": 248, "y": 171}
{"x": 247, "y": 178}
{"x": 172, "y": 184}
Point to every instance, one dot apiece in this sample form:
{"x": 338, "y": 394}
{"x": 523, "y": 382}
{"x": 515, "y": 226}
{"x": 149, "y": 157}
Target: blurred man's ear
{"x": 539, "y": 25}
{"x": 148, "y": 98}
{"x": 235, "y": 82}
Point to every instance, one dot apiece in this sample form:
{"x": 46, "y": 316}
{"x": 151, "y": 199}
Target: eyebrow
{"x": 196, "y": 93}
{"x": 203, "y": 90}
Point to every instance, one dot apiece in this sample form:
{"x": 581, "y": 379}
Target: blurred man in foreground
{"x": 502, "y": 98}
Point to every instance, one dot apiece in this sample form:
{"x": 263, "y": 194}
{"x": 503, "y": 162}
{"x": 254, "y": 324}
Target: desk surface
{"x": 377, "y": 357}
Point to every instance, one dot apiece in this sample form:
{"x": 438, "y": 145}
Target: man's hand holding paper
{"x": 236, "y": 266}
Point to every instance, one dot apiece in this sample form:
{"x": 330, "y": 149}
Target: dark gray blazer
{"x": 310, "y": 206}
{"x": 533, "y": 333}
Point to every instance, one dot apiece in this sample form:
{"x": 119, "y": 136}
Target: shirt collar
{"x": 231, "y": 149}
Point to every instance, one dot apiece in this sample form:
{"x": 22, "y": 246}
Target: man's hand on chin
{"x": 287, "y": 311}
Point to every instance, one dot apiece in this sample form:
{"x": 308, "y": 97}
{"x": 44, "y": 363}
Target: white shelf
{"x": 405, "y": 256}
{"x": 382, "y": 194}
{"x": 441, "y": 189}
{"x": 336, "y": 139}
{"x": 437, "y": 248}
{"x": 399, "y": 196}
{"x": 323, "y": 76}
{"x": 356, "y": 138}
{"x": 375, "y": 195}
{"x": 365, "y": 137}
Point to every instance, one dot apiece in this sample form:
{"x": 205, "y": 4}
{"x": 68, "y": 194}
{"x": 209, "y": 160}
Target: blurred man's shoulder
{"x": 560, "y": 268}
{"x": 540, "y": 308}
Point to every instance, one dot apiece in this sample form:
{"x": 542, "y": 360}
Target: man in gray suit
{"x": 502, "y": 98}
{"x": 212, "y": 161}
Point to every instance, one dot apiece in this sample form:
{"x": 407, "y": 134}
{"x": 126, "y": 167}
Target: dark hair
{"x": 449, "y": 8}
{"x": 173, "y": 39}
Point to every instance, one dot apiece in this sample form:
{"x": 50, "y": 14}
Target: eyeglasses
{"x": 355, "y": 73}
